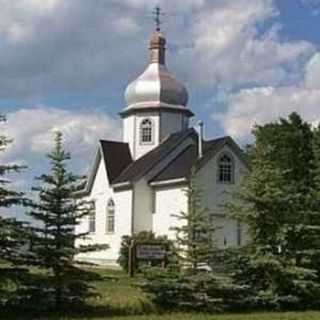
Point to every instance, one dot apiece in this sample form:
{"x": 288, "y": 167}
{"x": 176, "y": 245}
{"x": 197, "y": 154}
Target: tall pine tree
{"x": 12, "y": 232}
{"x": 54, "y": 249}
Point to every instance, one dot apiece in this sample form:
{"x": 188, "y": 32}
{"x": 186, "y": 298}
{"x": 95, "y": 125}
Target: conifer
{"x": 54, "y": 251}
{"x": 12, "y": 232}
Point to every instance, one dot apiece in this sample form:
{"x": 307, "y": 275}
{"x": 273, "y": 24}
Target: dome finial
{"x": 157, "y": 17}
{"x": 157, "y": 41}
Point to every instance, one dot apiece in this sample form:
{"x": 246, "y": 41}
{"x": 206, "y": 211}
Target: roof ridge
{"x": 112, "y": 141}
{"x": 183, "y": 134}
{"x": 173, "y": 160}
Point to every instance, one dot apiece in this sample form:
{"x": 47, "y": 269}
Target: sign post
{"x": 146, "y": 252}
{"x": 131, "y": 257}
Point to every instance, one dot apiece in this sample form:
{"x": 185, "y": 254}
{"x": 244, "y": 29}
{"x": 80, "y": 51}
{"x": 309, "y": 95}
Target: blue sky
{"x": 65, "y": 65}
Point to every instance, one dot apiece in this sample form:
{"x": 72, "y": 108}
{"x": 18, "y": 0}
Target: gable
{"x": 180, "y": 167}
{"x": 225, "y": 142}
{"x": 114, "y": 157}
{"x": 117, "y": 157}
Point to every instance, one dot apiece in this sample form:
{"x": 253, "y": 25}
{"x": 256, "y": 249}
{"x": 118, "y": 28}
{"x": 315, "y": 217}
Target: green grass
{"x": 125, "y": 301}
{"x": 256, "y": 316}
{"x": 120, "y": 299}
{"x": 119, "y": 293}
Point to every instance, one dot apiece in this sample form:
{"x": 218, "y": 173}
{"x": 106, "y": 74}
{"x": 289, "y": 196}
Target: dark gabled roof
{"x": 181, "y": 166}
{"x": 116, "y": 156}
{"x": 149, "y": 160}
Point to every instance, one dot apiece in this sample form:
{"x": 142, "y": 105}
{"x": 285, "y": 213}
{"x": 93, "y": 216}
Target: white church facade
{"x": 139, "y": 184}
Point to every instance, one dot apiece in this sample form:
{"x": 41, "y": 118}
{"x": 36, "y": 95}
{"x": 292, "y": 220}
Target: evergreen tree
{"x": 12, "y": 232}
{"x": 194, "y": 233}
{"x": 274, "y": 201}
{"x": 309, "y": 255}
{"x": 54, "y": 249}
{"x": 189, "y": 284}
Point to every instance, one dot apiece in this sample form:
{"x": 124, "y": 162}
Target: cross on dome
{"x": 157, "y": 17}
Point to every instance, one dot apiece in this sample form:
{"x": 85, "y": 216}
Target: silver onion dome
{"x": 156, "y": 86}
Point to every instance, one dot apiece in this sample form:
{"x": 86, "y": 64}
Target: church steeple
{"x": 156, "y": 101}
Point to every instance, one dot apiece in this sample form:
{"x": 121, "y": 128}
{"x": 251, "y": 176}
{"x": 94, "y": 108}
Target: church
{"x": 138, "y": 184}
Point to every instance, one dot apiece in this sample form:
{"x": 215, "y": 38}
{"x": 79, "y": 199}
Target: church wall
{"x": 131, "y": 133}
{"x": 168, "y": 201}
{"x": 171, "y": 123}
{"x": 142, "y": 149}
{"x": 142, "y": 206}
{"x": 128, "y": 135}
{"x": 214, "y": 194}
{"x": 100, "y": 194}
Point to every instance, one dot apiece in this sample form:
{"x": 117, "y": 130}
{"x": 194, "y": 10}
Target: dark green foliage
{"x": 12, "y": 232}
{"x": 147, "y": 237}
{"x": 277, "y": 203}
{"x": 187, "y": 290}
{"x": 54, "y": 249}
{"x": 185, "y": 285}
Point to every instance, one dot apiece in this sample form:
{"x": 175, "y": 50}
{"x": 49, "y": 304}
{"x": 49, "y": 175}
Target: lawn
{"x": 125, "y": 301}
{"x": 256, "y": 316}
{"x": 120, "y": 299}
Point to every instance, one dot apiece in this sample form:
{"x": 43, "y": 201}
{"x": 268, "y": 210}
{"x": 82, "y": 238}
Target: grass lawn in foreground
{"x": 254, "y": 316}
{"x": 125, "y": 301}
{"x": 120, "y": 299}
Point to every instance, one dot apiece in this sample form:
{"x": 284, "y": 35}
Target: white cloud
{"x": 55, "y": 47}
{"x": 166, "y": 4}
{"x": 312, "y": 79}
{"x": 231, "y": 49}
{"x": 264, "y": 104}
{"x": 32, "y": 131}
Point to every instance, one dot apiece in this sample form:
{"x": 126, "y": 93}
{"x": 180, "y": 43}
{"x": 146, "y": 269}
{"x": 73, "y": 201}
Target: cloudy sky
{"x": 64, "y": 64}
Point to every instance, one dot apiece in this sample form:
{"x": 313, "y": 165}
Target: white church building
{"x": 139, "y": 183}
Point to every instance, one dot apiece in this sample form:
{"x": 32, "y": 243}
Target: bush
{"x": 182, "y": 290}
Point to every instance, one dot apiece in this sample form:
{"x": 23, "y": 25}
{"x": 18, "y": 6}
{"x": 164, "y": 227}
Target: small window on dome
{"x": 146, "y": 131}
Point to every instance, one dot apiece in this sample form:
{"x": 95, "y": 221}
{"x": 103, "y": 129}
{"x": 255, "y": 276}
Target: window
{"x": 146, "y": 131}
{"x": 153, "y": 201}
{"x": 92, "y": 218}
{"x": 225, "y": 169}
{"x": 110, "y": 216}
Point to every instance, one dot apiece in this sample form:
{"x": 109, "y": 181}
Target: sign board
{"x": 150, "y": 252}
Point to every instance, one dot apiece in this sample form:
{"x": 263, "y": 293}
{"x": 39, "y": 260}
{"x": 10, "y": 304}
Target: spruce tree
{"x": 309, "y": 255}
{"x": 194, "y": 233}
{"x": 274, "y": 201}
{"x": 12, "y": 232}
{"x": 188, "y": 283}
{"x": 56, "y": 213}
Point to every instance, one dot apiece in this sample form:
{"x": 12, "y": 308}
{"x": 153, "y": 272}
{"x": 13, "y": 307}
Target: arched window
{"x": 92, "y": 217}
{"x": 225, "y": 169}
{"x": 146, "y": 131}
{"x": 110, "y": 217}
